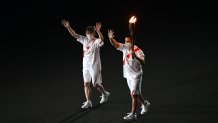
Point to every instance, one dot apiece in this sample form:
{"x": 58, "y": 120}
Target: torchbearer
{"x": 133, "y": 59}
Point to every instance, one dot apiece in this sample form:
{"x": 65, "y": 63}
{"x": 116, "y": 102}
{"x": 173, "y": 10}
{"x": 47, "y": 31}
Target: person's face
{"x": 89, "y": 35}
{"x": 128, "y": 40}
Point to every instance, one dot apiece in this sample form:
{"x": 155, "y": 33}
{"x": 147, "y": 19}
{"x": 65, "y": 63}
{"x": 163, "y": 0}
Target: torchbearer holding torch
{"x": 133, "y": 58}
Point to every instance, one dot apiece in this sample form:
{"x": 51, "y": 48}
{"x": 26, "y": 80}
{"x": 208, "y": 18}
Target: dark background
{"x": 41, "y": 64}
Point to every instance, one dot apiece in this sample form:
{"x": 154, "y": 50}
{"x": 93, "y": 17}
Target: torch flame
{"x": 132, "y": 19}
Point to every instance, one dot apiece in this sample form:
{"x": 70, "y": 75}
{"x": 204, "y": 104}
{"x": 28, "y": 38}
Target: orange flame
{"x": 132, "y": 19}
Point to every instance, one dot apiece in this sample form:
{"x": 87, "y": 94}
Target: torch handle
{"x": 133, "y": 43}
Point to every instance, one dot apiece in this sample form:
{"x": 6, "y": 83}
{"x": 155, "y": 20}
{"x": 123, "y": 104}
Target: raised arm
{"x": 97, "y": 29}
{"x": 66, "y": 24}
{"x": 112, "y": 40}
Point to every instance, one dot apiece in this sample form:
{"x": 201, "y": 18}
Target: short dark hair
{"x": 90, "y": 29}
{"x": 128, "y": 35}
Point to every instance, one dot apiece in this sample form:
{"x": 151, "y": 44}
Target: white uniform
{"x": 91, "y": 59}
{"x": 132, "y": 69}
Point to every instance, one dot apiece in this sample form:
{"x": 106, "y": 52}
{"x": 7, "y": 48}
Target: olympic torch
{"x": 132, "y": 22}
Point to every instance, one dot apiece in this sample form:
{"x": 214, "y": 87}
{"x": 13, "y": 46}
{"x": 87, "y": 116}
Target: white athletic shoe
{"x": 130, "y": 116}
{"x": 104, "y": 97}
{"x": 87, "y": 104}
{"x": 145, "y": 107}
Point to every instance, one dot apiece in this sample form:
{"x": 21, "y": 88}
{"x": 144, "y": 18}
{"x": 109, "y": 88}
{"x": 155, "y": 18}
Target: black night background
{"x": 41, "y": 63}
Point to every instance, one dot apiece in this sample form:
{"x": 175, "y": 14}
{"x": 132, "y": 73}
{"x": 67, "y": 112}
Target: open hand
{"x": 65, "y": 23}
{"x": 110, "y": 33}
{"x": 98, "y": 26}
